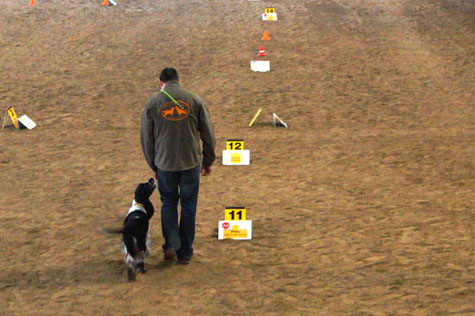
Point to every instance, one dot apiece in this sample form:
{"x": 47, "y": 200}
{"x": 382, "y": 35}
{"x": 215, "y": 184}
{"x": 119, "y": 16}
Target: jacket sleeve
{"x": 147, "y": 138}
{"x": 206, "y": 130}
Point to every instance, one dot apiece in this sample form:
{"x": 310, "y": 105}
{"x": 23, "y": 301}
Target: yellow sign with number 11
{"x": 235, "y": 214}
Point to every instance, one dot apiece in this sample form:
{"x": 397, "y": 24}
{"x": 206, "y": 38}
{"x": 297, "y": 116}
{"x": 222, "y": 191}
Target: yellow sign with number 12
{"x": 235, "y": 144}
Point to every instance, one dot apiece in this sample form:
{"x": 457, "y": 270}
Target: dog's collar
{"x": 136, "y": 207}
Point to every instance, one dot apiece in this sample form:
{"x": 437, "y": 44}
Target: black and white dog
{"x": 136, "y": 229}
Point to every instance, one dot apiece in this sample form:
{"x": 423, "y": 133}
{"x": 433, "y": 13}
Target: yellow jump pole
{"x": 255, "y": 117}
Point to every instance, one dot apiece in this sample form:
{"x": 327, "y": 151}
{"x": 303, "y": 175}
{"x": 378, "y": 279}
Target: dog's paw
{"x": 139, "y": 265}
{"x": 131, "y": 274}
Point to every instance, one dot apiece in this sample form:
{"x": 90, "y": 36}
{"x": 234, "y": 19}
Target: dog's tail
{"x": 111, "y": 230}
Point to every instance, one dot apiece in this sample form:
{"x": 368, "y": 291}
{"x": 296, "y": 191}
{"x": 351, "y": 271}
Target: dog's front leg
{"x": 147, "y": 245}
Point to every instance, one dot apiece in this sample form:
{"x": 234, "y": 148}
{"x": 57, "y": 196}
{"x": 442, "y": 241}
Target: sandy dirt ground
{"x": 364, "y": 206}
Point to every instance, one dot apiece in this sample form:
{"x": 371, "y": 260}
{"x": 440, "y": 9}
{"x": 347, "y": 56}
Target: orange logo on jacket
{"x": 173, "y": 112}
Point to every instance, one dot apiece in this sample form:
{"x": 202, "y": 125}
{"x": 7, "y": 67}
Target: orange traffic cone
{"x": 32, "y": 2}
{"x": 265, "y": 37}
{"x": 105, "y": 3}
{"x": 262, "y": 52}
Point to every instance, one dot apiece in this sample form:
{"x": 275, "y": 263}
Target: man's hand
{"x": 205, "y": 171}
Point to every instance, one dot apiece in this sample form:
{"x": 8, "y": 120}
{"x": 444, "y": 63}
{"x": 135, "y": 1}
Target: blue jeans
{"x": 180, "y": 186}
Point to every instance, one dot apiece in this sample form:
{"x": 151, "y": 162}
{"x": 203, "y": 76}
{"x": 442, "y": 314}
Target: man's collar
{"x": 172, "y": 82}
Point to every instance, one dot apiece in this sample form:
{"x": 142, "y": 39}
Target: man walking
{"x": 173, "y": 122}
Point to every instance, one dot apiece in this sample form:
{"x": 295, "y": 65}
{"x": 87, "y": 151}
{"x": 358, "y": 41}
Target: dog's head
{"x": 144, "y": 191}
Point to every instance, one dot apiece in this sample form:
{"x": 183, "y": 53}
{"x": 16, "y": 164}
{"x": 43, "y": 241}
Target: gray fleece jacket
{"x": 170, "y": 134}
